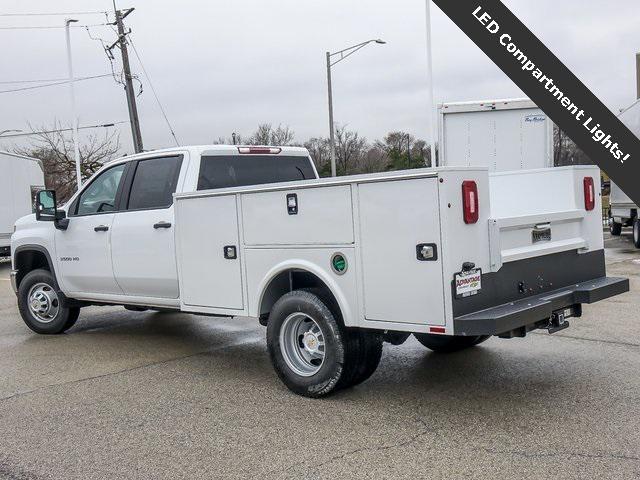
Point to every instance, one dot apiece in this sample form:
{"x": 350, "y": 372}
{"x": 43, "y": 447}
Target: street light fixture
{"x": 76, "y": 146}
{"x": 342, "y": 55}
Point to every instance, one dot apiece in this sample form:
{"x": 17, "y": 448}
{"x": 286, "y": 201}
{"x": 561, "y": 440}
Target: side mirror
{"x": 46, "y": 206}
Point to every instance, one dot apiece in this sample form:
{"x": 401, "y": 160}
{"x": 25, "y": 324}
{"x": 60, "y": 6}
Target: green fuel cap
{"x": 339, "y": 263}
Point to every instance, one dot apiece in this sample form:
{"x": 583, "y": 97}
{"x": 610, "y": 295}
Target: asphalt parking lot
{"x": 149, "y": 395}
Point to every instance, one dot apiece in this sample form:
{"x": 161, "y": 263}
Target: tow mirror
{"x": 47, "y": 210}
{"x": 46, "y": 206}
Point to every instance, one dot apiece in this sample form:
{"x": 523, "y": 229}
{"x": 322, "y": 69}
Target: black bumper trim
{"x": 525, "y": 312}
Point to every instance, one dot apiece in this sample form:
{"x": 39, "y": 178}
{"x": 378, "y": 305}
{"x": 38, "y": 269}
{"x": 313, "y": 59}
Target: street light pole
{"x": 332, "y": 130}
{"x": 74, "y": 125}
{"x": 347, "y": 52}
{"x": 430, "y": 100}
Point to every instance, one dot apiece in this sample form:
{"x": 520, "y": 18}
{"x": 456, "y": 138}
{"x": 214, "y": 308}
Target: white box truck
{"x": 20, "y": 178}
{"x": 332, "y": 267}
{"x": 622, "y": 211}
{"x": 503, "y": 135}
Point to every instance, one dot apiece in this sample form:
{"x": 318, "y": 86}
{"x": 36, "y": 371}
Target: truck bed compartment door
{"x": 397, "y": 217}
{"x": 208, "y": 252}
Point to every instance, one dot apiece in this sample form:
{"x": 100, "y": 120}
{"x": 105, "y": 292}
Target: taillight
{"x": 589, "y": 194}
{"x": 470, "y": 203}
{"x": 259, "y": 150}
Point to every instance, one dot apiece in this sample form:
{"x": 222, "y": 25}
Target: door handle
{"x": 101, "y": 228}
{"x": 162, "y": 225}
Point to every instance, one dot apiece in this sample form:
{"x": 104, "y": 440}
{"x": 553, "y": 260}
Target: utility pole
{"x": 638, "y": 72}
{"x": 128, "y": 78}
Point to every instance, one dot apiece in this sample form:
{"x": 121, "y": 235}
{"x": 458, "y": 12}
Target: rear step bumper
{"x": 525, "y": 315}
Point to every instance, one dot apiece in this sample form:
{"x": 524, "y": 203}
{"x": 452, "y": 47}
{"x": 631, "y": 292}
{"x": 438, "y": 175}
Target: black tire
{"x": 636, "y": 232}
{"x": 364, "y": 349}
{"x": 370, "y": 355}
{"x": 350, "y": 356}
{"x": 64, "y": 317}
{"x": 448, "y": 344}
{"x": 614, "y": 228}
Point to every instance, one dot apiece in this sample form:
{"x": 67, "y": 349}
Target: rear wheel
{"x": 448, "y": 344}
{"x": 311, "y": 350}
{"x": 636, "y": 232}
{"x": 614, "y": 227}
{"x": 40, "y": 305}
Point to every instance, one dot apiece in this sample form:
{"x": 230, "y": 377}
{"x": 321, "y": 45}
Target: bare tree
{"x": 56, "y": 151}
{"x": 320, "y": 151}
{"x": 350, "y": 149}
{"x": 374, "y": 160}
{"x": 266, "y": 134}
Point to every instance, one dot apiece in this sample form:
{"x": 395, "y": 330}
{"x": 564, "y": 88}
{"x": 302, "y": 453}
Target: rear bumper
{"x": 527, "y": 314}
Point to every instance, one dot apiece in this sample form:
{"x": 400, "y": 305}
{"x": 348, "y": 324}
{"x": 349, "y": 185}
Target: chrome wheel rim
{"x": 302, "y": 344}
{"x": 636, "y": 231}
{"x": 43, "y": 302}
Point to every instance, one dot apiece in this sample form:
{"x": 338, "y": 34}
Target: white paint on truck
{"x": 623, "y": 211}
{"x": 332, "y": 266}
{"x": 502, "y": 135}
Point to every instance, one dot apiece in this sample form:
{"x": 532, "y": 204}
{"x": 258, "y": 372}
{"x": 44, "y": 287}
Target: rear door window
{"x": 218, "y": 171}
{"x": 154, "y": 183}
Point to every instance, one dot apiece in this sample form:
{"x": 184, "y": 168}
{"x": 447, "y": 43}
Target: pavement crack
{"x": 525, "y": 454}
{"x": 9, "y": 471}
{"x": 120, "y": 372}
{"x": 426, "y": 430}
{"x": 586, "y": 339}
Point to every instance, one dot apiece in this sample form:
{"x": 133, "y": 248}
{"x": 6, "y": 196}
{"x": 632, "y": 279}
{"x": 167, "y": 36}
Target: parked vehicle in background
{"x": 623, "y": 212}
{"x": 332, "y": 267}
{"x": 20, "y": 178}
{"x": 503, "y": 135}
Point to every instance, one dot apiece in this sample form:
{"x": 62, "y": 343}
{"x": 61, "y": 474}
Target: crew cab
{"x": 332, "y": 267}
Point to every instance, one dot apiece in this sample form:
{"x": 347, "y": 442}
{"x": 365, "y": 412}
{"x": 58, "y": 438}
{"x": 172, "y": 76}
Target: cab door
{"x": 142, "y": 238}
{"x": 83, "y": 251}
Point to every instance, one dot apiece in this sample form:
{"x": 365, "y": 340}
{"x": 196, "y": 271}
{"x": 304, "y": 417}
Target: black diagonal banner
{"x": 550, "y": 84}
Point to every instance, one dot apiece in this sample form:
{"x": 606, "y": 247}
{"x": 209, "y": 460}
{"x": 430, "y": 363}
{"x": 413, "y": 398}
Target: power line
{"x": 49, "y": 14}
{"x": 42, "y": 80}
{"x": 54, "y": 83}
{"x": 144, "y": 70}
{"x": 106, "y": 125}
{"x": 48, "y": 27}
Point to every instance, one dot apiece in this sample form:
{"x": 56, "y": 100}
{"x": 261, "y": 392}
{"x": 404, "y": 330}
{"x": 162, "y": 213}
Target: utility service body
{"x": 588, "y": 122}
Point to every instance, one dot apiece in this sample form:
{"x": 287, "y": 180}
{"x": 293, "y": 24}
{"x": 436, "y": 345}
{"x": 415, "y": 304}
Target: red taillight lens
{"x": 259, "y": 150}
{"x": 589, "y": 194}
{"x": 471, "y": 207}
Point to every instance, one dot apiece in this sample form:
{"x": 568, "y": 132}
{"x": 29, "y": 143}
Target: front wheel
{"x": 40, "y": 306}
{"x": 636, "y": 232}
{"x": 311, "y": 350}
{"x": 448, "y": 344}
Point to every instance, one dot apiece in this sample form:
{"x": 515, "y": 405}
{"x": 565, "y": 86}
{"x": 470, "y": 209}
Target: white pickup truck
{"x": 333, "y": 267}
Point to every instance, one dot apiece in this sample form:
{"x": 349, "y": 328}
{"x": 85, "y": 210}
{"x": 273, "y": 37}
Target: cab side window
{"x": 154, "y": 183}
{"x": 100, "y": 195}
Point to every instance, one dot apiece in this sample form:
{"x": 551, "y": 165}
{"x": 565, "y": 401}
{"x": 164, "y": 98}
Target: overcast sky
{"x": 225, "y": 66}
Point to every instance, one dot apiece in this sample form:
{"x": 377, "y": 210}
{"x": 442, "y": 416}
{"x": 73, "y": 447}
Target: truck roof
{"x": 482, "y": 105}
{"x": 215, "y": 150}
{"x": 23, "y": 157}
